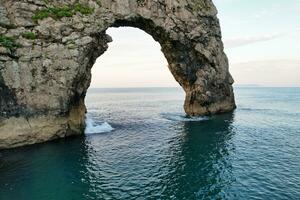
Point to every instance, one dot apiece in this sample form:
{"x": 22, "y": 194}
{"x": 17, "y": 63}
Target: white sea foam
{"x": 183, "y": 118}
{"x": 93, "y": 127}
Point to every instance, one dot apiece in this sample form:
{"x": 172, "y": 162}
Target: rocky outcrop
{"x": 47, "y": 50}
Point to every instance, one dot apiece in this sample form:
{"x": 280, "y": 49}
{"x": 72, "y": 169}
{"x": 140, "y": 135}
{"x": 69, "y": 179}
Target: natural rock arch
{"x": 48, "y": 48}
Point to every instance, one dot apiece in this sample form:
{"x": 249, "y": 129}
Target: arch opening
{"x": 134, "y": 71}
{"x": 133, "y": 59}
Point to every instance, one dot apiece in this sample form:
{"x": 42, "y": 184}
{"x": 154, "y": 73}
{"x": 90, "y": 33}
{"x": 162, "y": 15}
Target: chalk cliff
{"x": 48, "y": 47}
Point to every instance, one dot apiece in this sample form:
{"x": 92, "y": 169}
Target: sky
{"x": 261, "y": 38}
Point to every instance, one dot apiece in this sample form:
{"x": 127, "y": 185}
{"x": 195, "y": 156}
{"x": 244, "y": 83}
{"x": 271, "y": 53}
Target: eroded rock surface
{"x": 47, "y": 49}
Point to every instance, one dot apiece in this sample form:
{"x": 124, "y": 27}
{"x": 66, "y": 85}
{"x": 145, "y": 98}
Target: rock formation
{"x": 48, "y": 47}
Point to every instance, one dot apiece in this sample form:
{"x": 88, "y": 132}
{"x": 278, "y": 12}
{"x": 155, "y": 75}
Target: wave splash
{"x": 182, "y": 118}
{"x": 93, "y": 127}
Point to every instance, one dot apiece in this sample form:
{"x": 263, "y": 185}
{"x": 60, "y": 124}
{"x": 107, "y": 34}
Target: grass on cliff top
{"x": 8, "y": 42}
{"x": 60, "y": 12}
{"x": 30, "y": 35}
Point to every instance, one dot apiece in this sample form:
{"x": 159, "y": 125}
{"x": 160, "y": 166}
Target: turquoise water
{"x": 140, "y": 145}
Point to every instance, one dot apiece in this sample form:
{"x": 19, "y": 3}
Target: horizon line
{"x": 234, "y": 86}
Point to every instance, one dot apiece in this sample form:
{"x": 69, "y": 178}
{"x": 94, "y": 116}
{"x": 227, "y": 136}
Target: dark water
{"x": 155, "y": 152}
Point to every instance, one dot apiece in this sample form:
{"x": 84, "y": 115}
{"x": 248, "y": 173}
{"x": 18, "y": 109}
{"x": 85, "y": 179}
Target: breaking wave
{"x": 93, "y": 127}
{"x": 182, "y": 118}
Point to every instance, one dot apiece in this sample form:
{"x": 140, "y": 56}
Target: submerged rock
{"x": 49, "y": 47}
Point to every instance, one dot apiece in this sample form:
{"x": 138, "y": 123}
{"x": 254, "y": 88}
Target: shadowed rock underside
{"x": 47, "y": 50}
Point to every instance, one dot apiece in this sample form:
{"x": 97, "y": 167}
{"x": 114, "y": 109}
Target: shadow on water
{"x": 200, "y": 165}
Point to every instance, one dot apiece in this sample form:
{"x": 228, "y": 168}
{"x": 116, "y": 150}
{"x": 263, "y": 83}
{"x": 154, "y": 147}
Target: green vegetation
{"x": 85, "y": 10}
{"x": 30, "y": 35}
{"x": 99, "y": 2}
{"x": 55, "y": 13}
{"x": 200, "y": 5}
{"x": 8, "y": 42}
{"x": 60, "y": 12}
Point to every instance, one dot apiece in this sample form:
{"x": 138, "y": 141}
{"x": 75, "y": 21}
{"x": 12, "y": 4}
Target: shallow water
{"x": 148, "y": 149}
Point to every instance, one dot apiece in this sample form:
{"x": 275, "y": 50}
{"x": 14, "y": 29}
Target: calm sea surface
{"x": 140, "y": 145}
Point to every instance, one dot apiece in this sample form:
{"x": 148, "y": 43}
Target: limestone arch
{"x": 43, "y": 81}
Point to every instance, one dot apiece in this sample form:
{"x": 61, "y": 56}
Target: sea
{"x": 140, "y": 145}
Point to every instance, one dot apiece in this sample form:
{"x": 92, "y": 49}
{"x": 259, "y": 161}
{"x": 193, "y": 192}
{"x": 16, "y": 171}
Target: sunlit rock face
{"x": 47, "y": 50}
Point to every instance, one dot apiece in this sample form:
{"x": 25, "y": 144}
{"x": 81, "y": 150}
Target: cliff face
{"x": 47, "y": 49}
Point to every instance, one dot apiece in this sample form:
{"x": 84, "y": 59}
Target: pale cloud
{"x": 242, "y": 41}
{"x": 267, "y": 72}
{"x": 246, "y": 40}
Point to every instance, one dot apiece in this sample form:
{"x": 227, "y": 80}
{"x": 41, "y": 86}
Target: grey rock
{"x": 4, "y": 21}
{"x": 44, "y": 80}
